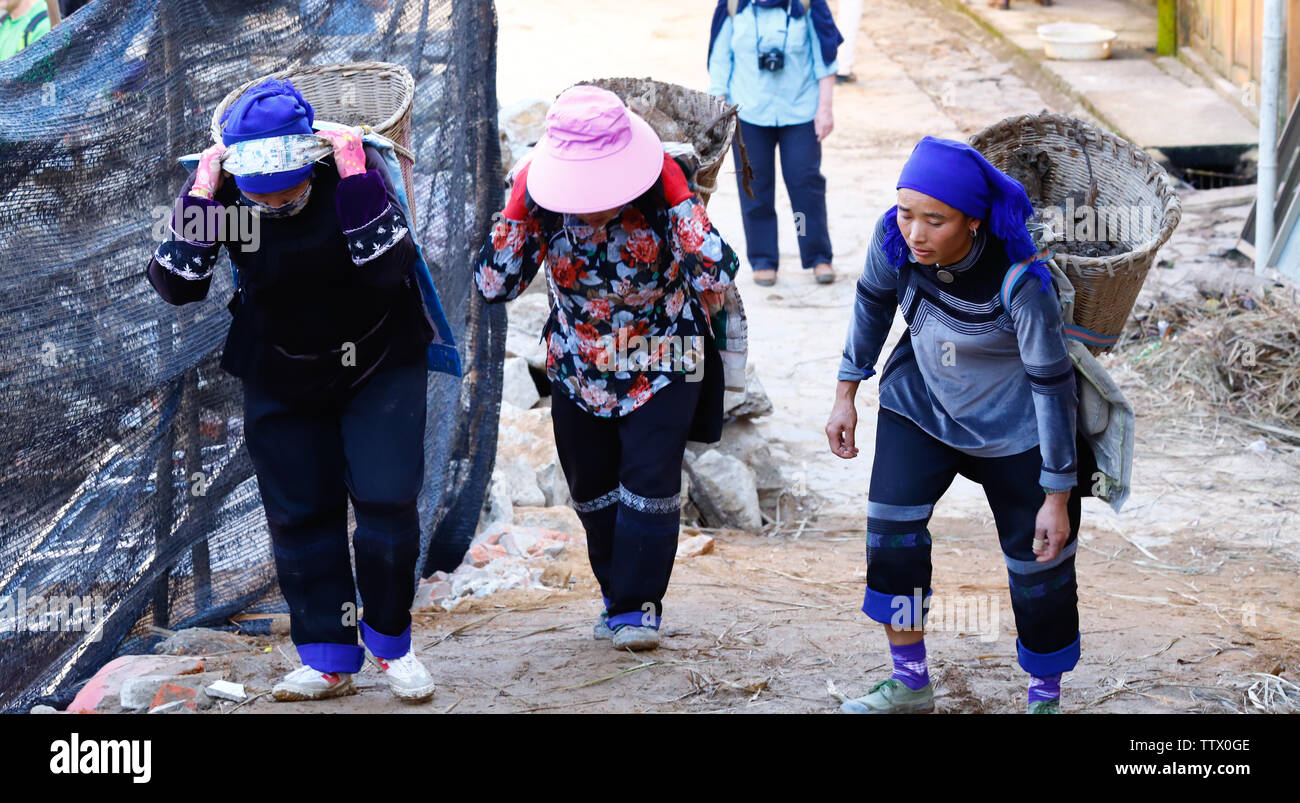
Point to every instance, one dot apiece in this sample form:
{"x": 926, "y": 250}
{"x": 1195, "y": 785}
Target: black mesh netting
{"x": 112, "y": 399}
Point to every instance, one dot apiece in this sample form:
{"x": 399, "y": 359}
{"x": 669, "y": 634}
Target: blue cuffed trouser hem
{"x": 634, "y": 618}
{"x": 326, "y": 657}
{"x": 899, "y": 610}
{"x": 1048, "y": 663}
{"x": 382, "y": 646}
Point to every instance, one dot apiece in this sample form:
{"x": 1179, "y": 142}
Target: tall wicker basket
{"x": 706, "y": 121}
{"x": 1126, "y": 177}
{"x": 374, "y": 94}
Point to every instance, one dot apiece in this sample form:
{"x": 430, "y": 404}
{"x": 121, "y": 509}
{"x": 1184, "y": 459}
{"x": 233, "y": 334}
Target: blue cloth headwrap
{"x": 960, "y": 176}
{"x": 269, "y": 109}
{"x": 823, "y": 23}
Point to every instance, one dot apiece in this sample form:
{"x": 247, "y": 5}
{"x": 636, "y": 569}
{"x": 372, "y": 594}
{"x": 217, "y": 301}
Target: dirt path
{"x": 1182, "y": 595}
{"x": 763, "y": 624}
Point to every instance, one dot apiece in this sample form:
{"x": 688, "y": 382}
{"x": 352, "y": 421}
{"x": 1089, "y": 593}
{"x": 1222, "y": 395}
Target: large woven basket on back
{"x": 373, "y": 94}
{"x": 1126, "y": 178}
{"x": 679, "y": 114}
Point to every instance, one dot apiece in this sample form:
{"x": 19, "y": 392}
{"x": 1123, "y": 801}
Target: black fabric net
{"x": 124, "y": 477}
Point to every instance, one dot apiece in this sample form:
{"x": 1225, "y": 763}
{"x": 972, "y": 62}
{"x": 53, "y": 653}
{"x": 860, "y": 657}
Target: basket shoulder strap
{"x": 1089, "y": 337}
{"x": 1018, "y": 272}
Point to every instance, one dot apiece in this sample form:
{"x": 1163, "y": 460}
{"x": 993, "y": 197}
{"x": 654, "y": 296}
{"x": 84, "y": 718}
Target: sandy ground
{"x": 1182, "y": 594}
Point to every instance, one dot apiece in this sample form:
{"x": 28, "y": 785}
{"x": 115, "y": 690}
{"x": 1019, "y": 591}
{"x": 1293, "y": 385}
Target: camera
{"x": 772, "y": 61}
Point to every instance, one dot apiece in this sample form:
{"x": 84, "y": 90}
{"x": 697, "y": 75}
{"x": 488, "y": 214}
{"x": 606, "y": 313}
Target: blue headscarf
{"x": 823, "y": 23}
{"x": 960, "y": 176}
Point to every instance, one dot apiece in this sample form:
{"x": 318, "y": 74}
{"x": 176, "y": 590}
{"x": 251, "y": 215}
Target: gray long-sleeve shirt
{"x": 983, "y": 379}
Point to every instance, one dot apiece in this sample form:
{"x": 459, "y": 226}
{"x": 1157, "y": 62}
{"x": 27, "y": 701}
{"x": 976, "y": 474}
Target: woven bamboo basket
{"x": 677, "y": 113}
{"x": 1126, "y": 179}
{"x": 373, "y": 94}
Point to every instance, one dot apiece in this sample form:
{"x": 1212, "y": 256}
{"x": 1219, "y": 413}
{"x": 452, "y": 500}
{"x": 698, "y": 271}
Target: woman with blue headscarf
{"x": 329, "y": 336}
{"x": 980, "y": 384}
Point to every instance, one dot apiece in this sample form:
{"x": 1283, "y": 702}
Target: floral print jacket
{"x": 625, "y": 314}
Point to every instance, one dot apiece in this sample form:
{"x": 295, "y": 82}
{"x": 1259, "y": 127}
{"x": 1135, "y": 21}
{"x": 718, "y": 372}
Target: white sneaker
{"x": 407, "y": 678}
{"x": 632, "y": 637}
{"x": 305, "y": 683}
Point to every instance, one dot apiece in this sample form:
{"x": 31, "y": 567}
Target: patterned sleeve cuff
{"x": 185, "y": 259}
{"x": 371, "y": 223}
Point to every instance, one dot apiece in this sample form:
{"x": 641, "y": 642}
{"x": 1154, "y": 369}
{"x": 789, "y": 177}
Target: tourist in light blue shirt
{"x": 775, "y": 59}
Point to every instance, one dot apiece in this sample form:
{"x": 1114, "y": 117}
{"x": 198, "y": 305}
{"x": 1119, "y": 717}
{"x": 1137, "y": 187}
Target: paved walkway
{"x": 1153, "y": 102}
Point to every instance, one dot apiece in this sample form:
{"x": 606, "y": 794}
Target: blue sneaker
{"x": 892, "y": 696}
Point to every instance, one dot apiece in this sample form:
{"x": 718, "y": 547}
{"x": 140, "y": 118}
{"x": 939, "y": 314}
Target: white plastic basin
{"x": 1076, "y": 41}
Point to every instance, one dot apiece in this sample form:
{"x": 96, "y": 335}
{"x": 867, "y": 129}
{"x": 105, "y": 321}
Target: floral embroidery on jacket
{"x": 623, "y": 320}
{"x": 376, "y": 237}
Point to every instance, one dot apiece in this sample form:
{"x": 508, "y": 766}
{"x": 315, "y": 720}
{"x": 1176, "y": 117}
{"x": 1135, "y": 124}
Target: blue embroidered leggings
{"x": 911, "y": 471}
{"x": 625, "y": 476}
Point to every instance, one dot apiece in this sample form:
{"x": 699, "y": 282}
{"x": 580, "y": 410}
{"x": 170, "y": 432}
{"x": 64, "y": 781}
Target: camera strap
{"x": 784, "y": 39}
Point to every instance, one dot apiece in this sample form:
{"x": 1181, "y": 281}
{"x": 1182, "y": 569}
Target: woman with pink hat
{"x": 633, "y": 367}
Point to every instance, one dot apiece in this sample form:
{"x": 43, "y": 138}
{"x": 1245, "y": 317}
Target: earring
{"x": 972, "y": 232}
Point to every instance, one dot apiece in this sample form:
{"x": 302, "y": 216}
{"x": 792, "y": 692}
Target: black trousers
{"x": 624, "y": 475}
{"x": 911, "y": 470}
{"x": 367, "y": 445}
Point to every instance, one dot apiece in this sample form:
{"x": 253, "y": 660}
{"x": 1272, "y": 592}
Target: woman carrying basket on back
{"x": 627, "y": 248}
{"x": 971, "y": 388}
{"x": 329, "y": 337}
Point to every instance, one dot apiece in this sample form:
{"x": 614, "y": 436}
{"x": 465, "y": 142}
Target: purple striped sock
{"x": 909, "y": 664}
{"x": 1044, "y": 687}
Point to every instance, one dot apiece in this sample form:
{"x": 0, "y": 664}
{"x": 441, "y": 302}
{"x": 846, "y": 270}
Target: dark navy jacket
{"x": 327, "y": 296}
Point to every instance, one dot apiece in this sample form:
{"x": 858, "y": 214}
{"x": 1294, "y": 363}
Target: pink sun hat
{"x": 596, "y": 154}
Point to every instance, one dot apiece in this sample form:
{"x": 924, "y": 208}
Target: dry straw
{"x": 1238, "y": 354}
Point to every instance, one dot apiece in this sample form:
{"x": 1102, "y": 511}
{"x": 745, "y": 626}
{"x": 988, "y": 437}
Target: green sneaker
{"x": 1052, "y": 706}
{"x": 891, "y": 696}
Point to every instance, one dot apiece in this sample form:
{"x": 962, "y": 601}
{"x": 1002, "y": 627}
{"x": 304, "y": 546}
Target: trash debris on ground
{"x": 226, "y": 690}
{"x": 201, "y": 641}
{"x": 507, "y": 556}
{"x": 694, "y": 546}
{"x": 151, "y": 691}
{"x": 102, "y": 693}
